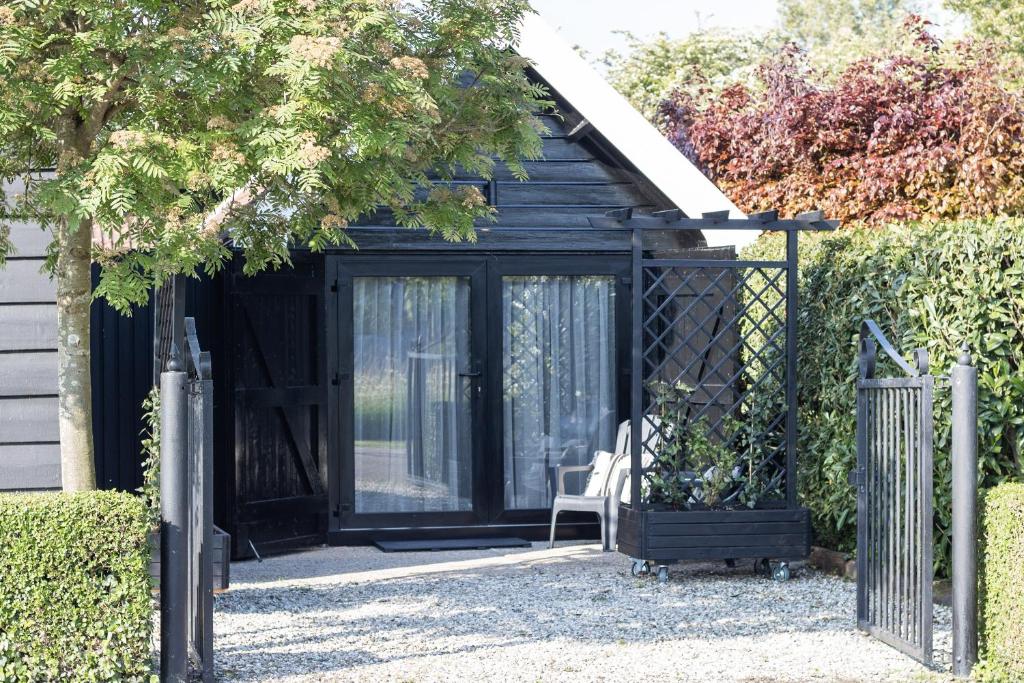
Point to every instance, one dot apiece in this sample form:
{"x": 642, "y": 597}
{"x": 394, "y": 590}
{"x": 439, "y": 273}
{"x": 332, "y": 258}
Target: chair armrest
{"x": 565, "y": 469}
{"x": 620, "y": 482}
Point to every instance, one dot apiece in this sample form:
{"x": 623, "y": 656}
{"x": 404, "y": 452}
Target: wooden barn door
{"x": 279, "y": 407}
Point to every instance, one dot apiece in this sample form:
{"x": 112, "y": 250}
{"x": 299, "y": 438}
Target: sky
{"x": 591, "y": 24}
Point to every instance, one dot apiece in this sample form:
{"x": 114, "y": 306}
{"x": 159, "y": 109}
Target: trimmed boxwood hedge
{"x": 931, "y": 285}
{"x": 75, "y": 600}
{"x": 1002, "y": 584}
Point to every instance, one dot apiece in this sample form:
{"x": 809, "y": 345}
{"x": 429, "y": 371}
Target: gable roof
{"x": 626, "y": 129}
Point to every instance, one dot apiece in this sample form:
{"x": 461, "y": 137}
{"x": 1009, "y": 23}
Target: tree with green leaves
{"x": 650, "y": 70}
{"x": 835, "y": 33}
{"x": 173, "y": 131}
{"x": 998, "y": 20}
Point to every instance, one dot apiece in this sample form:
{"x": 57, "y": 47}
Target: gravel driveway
{"x": 571, "y": 614}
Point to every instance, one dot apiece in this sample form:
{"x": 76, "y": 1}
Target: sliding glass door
{"x": 464, "y": 382}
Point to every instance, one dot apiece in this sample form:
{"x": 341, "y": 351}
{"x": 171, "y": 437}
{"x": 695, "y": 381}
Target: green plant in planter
{"x": 692, "y": 466}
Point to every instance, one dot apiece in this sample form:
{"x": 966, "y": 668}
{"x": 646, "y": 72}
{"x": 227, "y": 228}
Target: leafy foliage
{"x": 931, "y": 285}
{"x": 926, "y": 134}
{"x": 836, "y": 33}
{"x": 832, "y": 34}
{"x": 1001, "y": 632}
{"x": 701, "y": 65}
{"x": 150, "y": 489}
{"x": 1000, "y": 20}
{"x": 274, "y": 121}
{"x": 75, "y": 599}
{"x": 694, "y": 465}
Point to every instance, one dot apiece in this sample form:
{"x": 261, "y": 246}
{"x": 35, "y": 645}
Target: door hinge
{"x": 626, "y": 280}
{"x": 334, "y": 286}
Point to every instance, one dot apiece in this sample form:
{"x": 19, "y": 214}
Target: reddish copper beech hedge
{"x": 927, "y": 134}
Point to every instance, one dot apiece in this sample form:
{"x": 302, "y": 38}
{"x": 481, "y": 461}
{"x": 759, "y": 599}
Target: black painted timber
{"x": 674, "y": 535}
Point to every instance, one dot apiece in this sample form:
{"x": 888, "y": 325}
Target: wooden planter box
{"x": 672, "y": 535}
{"x": 221, "y": 559}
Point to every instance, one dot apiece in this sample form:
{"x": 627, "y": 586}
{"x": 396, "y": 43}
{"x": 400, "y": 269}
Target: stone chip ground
{"x": 571, "y": 614}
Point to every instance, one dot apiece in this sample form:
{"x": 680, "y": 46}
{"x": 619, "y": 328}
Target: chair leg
{"x": 613, "y": 525}
{"x": 554, "y": 516}
{"x": 603, "y": 519}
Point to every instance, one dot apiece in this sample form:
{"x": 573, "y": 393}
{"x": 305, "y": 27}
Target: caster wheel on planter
{"x": 781, "y": 572}
{"x": 662, "y": 574}
{"x": 640, "y": 568}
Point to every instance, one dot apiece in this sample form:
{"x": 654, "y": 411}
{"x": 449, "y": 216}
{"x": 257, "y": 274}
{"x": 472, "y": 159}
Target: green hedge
{"x": 1002, "y": 584}
{"x": 930, "y": 285}
{"x": 75, "y": 602}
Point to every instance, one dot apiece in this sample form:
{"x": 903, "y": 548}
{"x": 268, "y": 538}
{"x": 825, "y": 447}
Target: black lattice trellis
{"x": 725, "y": 329}
{"x": 720, "y": 329}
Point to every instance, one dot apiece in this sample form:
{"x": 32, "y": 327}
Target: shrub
{"x": 75, "y": 600}
{"x": 927, "y": 285}
{"x": 1002, "y": 584}
{"x": 924, "y": 132}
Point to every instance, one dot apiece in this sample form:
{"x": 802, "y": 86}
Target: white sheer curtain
{"x": 412, "y": 421}
{"x": 559, "y": 380}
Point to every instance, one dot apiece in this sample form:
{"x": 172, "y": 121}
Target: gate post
{"x": 174, "y": 522}
{"x": 964, "y": 380}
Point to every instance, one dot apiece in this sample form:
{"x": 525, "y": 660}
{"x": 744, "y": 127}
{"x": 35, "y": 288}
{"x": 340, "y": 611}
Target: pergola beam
{"x": 674, "y": 219}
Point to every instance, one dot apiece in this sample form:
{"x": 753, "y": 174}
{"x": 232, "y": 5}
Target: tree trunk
{"x": 74, "y": 381}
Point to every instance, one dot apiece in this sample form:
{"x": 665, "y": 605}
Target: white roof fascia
{"x": 626, "y": 129}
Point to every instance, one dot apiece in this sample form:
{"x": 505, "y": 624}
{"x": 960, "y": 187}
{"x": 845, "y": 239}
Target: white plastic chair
{"x": 609, "y": 472}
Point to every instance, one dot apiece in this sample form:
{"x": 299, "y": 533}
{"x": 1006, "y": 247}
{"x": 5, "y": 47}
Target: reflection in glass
{"x": 559, "y": 381}
{"x": 412, "y": 415}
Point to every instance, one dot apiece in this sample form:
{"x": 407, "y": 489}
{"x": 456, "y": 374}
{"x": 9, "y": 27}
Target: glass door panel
{"x": 411, "y": 394}
{"x": 558, "y": 380}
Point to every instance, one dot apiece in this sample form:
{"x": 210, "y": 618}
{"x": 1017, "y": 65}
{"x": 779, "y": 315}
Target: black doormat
{"x": 450, "y": 544}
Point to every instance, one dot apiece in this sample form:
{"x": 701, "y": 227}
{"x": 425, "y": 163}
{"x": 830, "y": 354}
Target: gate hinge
{"x": 857, "y": 477}
{"x": 334, "y": 287}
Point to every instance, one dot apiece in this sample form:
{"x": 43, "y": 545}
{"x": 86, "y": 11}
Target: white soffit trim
{"x": 626, "y": 129}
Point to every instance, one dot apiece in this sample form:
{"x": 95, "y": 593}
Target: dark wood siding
{"x": 122, "y": 374}
{"x": 29, "y": 450}
{"x": 277, "y": 376}
{"x": 575, "y": 179}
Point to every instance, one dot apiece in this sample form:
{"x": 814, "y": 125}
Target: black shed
{"x": 416, "y": 387}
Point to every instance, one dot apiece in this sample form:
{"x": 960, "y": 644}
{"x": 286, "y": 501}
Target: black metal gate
{"x": 894, "y": 498}
{"x": 200, "y": 504}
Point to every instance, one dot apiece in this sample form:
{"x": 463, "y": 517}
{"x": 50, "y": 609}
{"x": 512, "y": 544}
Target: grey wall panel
{"x": 31, "y": 466}
{"x": 28, "y": 374}
{"x": 28, "y": 419}
{"x": 29, "y": 239}
{"x": 28, "y": 328}
{"x": 21, "y": 282}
